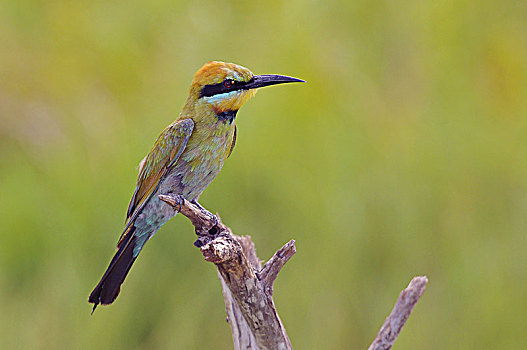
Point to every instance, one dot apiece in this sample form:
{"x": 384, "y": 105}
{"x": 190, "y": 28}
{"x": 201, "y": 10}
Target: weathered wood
{"x": 242, "y": 336}
{"x": 401, "y": 311}
{"x": 271, "y": 268}
{"x": 247, "y": 288}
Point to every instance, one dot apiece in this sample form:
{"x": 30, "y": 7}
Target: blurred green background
{"x": 404, "y": 154}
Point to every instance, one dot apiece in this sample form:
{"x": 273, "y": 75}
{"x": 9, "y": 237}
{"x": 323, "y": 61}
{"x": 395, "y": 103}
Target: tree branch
{"x": 247, "y": 288}
{"x": 271, "y": 268}
{"x": 401, "y": 311}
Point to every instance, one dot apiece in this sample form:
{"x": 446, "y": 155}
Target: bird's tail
{"x": 108, "y": 288}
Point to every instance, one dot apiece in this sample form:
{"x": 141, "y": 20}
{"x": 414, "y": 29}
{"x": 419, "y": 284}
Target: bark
{"x": 401, "y": 311}
{"x": 247, "y": 286}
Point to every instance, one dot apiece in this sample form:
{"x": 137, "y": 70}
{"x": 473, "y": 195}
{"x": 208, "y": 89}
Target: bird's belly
{"x": 154, "y": 214}
{"x": 181, "y": 180}
{"x": 190, "y": 180}
{"x": 198, "y": 165}
{"x": 192, "y": 173}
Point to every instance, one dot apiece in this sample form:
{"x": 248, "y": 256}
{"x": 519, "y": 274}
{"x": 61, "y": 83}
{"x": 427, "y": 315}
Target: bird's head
{"x": 227, "y": 86}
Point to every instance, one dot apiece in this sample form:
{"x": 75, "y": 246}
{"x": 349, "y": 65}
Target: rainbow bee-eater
{"x": 185, "y": 159}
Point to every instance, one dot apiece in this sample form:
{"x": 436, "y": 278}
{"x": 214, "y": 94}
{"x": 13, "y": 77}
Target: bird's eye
{"x": 228, "y": 83}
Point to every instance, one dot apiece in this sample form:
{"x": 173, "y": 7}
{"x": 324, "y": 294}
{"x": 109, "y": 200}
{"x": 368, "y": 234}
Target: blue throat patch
{"x": 227, "y": 116}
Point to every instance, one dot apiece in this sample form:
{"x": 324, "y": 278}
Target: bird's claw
{"x": 179, "y": 200}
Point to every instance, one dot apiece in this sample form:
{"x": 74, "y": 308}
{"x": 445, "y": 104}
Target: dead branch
{"x": 401, "y": 311}
{"x": 247, "y": 287}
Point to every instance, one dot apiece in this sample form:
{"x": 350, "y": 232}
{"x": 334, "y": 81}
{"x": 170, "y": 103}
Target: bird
{"x": 184, "y": 160}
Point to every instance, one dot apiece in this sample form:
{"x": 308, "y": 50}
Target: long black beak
{"x": 259, "y": 81}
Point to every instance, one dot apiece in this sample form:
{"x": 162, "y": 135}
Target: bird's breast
{"x": 201, "y": 161}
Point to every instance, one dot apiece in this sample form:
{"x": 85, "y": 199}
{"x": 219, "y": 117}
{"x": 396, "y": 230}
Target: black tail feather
{"x": 108, "y": 288}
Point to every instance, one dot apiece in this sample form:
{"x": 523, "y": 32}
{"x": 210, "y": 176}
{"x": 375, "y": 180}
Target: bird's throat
{"x": 226, "y": 116}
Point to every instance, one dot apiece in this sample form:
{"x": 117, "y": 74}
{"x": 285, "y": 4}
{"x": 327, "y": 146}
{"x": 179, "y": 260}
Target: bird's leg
{"x": 177, "y": 201}
{"x": 207, "y": 230}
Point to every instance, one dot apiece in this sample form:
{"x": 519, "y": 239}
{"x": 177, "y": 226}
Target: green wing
{"x": 166, "y": 151}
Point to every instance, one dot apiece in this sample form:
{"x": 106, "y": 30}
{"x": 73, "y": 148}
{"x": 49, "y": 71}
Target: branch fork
{"x": 248, "y": 287}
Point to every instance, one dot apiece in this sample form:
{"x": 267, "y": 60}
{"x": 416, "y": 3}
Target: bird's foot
{"x": 179, "y": 200}
{"x": 175, "y": 200}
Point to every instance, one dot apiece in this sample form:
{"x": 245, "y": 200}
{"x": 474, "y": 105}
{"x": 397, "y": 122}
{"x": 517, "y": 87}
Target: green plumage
{"x": 185, "y": 159}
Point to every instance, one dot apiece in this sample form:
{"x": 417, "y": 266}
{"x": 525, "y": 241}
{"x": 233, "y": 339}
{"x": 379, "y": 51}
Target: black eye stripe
{"x": 220, "y": 88}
